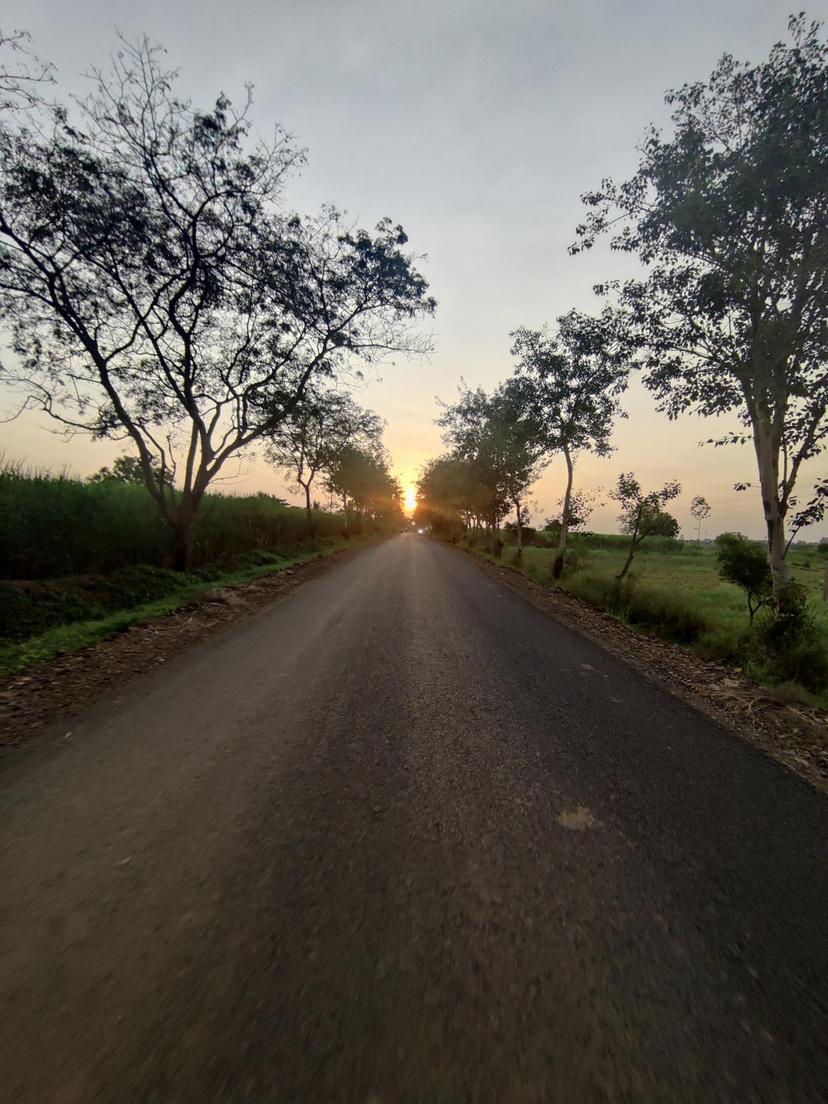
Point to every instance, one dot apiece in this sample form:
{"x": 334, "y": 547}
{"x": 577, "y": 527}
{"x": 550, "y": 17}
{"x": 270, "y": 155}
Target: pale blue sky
{"x": 477, "y": 125}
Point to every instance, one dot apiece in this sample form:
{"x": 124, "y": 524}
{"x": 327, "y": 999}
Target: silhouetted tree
{"x": 730, "y": 216}
{"x": 311, "y": 438}
{"x": 23, "y": 74}
{"x": 495, "y": 433}
{"x": 156, "y": 289}
{"x": 361, "y": 478}
{"x": 450, "y": 495}
{"x": 125, "y": 469}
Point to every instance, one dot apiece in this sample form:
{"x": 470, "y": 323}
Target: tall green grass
{"x": 57, "y": 525}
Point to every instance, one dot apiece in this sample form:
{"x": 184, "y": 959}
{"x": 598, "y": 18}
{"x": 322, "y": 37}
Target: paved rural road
{"x": 402, "y": 838}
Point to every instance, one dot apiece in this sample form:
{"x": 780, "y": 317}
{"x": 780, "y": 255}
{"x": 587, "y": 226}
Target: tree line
{"x": 728, "y": 216}
{"x": 158, "y": 291}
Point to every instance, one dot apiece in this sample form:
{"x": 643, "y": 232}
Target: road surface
{"x": 402, "y": 838}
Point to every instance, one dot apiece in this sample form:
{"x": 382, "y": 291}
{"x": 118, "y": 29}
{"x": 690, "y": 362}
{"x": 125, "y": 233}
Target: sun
{"x": 410, "y": 500}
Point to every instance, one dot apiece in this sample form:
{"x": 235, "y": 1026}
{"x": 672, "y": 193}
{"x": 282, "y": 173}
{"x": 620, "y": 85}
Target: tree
{"x": 643, "y": 515}
{"x": 157, "y": 290}
{"x": 699, "y": 510}
{"x": 22, "y": 73}
{"x": 573, "y": 380}
{"x": 125, "y": 469}
{"x": 449, "y": 495}
{"x": 745, "y": 563}
{"x": 730, "y": 216}
{"x": 310, "y": 439}
{"x": 497, "y": 435}
{"x": 361, "y": 478}
{"x": 812, "y": 513}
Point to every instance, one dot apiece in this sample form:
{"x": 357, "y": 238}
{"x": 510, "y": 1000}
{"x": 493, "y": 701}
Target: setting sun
{"x": 410, "y": 500}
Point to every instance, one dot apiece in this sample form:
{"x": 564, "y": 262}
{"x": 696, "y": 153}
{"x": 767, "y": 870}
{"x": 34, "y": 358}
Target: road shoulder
{"x": 60, "y": 688}
{"x": 793, "y": 734}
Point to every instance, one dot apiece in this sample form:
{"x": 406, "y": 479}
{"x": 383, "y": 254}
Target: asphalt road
{"x": 401, "y": 838}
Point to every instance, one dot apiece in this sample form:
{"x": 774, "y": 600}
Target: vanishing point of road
{"x": 402, "y": 838}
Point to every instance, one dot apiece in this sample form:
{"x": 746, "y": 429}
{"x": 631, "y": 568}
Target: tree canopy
{"x": 572, "y": 381}
{"x": 311, "y": 438}
{"x": 157, "y": 289}
{"x": 729, "y": 214}
{"x": 497, "y": 436}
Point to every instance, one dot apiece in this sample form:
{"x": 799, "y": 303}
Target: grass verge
{"x": 17, "y": 656}
{"x": 681, "y": 599}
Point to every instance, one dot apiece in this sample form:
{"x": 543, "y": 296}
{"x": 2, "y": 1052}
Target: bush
{"x": 791, "y": 648}
{"x": 28, "y": 610}
{"x": 745, "y": 563}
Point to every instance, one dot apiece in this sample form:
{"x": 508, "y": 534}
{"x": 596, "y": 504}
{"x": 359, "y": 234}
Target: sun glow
{"x": 410, "y": 500}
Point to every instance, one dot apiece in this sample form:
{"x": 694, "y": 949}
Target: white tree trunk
{"x": 767, "y": 457}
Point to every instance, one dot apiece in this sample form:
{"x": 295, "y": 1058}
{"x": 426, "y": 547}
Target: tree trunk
{"x": 626, "y": 566}
{"x": 767, "y": 456}
{"x": 309, "y": 511}
{"x": 180, "y": 516}
{"x": 558, "y": 562}
{"x": 631, "y": 552}
{"x": 519, "y": 525}
{"x": 497, "y": 544}
{"x": 182, "y": 529}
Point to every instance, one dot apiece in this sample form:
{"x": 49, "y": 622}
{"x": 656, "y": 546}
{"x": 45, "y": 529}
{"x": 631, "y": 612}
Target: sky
{"x": 477, "y": 125}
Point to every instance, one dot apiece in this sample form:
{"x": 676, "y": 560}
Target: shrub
{"x": 790, "y": 647}
{"x": 745, "y": 563}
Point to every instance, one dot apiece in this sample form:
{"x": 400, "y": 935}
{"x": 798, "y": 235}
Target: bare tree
{"x": 699, "y": 510}
{"x": 23, "y": 74}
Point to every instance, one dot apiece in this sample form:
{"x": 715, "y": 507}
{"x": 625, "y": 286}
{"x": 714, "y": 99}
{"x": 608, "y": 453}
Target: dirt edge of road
{"x": 795, "y": 735}
{"x": 60, "y": 688}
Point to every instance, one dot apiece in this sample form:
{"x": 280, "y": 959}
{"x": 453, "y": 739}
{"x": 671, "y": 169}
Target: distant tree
{"x": 573, "y": 380}
{"x": 745, "y": 563}
{"x": 156, "y": 289}
{"x": 450, "y": 495}
{"x": 311, "y": 438}
{"x": 496, "y": 434}
{"x": 699, "y": 510}
{"x": 360, "y": 477}
{"x": 730, "y": 216}
{"x": 643, "y": 515}
{"x": 125, "y": 469}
